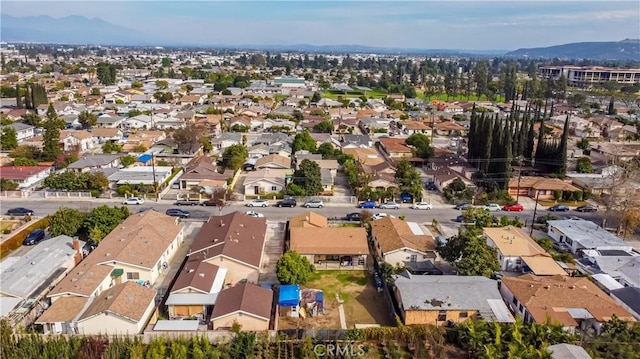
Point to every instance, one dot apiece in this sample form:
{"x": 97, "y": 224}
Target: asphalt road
{"x": 442, "y": 212}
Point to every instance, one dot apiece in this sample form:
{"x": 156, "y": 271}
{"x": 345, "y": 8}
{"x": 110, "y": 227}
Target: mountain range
{"x": 79, "y": 30}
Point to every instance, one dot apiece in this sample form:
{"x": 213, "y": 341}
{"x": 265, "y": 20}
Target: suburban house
{"x": 538, "y": 187}
{"x": 273, "y": 161}
{"x": 24, "y": 176}
{"x": 196, "y": 289}
{"x": 202, "y": 171}
{"x": 226, "y": 139}
{"x": 211, "y": 123}
{"x": 397, "y": 241}
{"x": 517, "y": 252}
{"x": 395, "y": 148}
{"x": 233, "y": 241}
{"x": 570, "y": 301}
{"x": 440, "y": 300}
{"x": 328, "y": 247}
{"x": 138, "y": 250}
{"x": 107, "y": 134}
{"x": 107, "y": 121}
{"x": 246, "y": 304}
{"x": 81, "y": 140}
{"x": 581, "y": 235}
{"x": 267, "y": 180}
{"x": 629, "y": 299}
{"x": 91, "y": 162}
{"x": 135, "y": 175}
{"x": 123, "y": 309}
{"x": 365, "y": 156}
{"x": 23, "y": 131}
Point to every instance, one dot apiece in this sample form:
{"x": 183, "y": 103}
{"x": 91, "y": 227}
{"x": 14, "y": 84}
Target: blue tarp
{"x": 289, "y": 295}
{"x": 144, "y": 158}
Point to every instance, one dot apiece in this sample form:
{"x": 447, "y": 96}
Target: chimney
{"x": 77, "y": 256}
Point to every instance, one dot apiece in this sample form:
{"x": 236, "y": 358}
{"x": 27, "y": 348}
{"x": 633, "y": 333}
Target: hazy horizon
{"x": 469, "y": 25}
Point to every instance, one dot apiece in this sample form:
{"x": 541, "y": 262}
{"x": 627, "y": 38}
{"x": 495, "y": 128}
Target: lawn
{"x": 334, "y": 95}
{"x": 6, "y": 224}
{"x": 362, "y": 302}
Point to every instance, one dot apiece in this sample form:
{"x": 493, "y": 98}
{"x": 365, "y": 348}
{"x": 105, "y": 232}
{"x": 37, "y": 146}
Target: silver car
{"x": 314, "y": 203}
{"x": 389, "y": 205}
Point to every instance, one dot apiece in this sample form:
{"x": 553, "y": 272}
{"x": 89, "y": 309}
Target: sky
{"x": 471, "y": 25}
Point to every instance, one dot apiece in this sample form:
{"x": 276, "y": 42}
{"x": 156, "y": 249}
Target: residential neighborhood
{"x": 164, "y": 192}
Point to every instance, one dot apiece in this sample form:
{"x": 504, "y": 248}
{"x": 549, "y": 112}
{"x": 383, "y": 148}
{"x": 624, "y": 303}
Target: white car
{"x": 314, "y": 203}
{"x": 389, "y": 205}
{"x": 492, "y": 207}
{"x": 381, "y": 215}
{"x": 254, "y": 214}
{"x": 133, "y": 200}
{"x": 258, "y": 203}
{"x": 422, "y": 205}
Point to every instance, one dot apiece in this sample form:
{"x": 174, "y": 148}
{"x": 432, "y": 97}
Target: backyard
{"x": 362, "y": 302}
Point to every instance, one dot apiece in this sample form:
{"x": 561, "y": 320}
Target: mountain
{"x": 625, "y": 50}
{"x": 67, "y": 30}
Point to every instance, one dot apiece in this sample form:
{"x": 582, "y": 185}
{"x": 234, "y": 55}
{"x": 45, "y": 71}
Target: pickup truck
{"x": 188, "y": 202}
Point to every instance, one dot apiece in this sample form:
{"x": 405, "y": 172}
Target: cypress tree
{"x": 472, "y": 150}
{"x": 27, "y": 98}
{"x": 18, "y": 97}
{"x": 530, "y": 142}
{"x": 486, "y": 143}
{"x": 539, "y": 149}
{"x": 562, "y": 169}
{"x": 610, "y": 108}
{"x": 508, "y": 155}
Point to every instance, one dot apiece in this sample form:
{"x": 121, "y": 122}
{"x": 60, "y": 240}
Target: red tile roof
{"x": 20, "y": 172}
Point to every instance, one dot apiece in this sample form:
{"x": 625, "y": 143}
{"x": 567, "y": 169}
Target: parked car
{"x": 389, "y": 205}
{"x": 492, "y": 207}
{"x": 187, "y": 202}
{"x": 20, "y": 211}
{"x": 287, "y": 202}
{"x": 561, "y": 247}
{"x": 35, "y": 237}
{"x": 587, "y": 208}
{"x": 367, "y": 204}
{"x": 431, "y": 186}
{"x": 133, "y": 200}
{"x": 406, "y": 197}
{"x": 380, "y": 215}
{"x": 513, "y": 207}
{"x": 177, "y": 212}
{"x": 377, "y": 279}
{"x": 462, "y": 219}
{"x": 314, "y": 203}
{"x": 254, "y": 214}
{"x": 463, "y": 206}
{"x": 258, "y": 203}
{"x": 422, "y": 205}
{"x": 210, "y": 203}
{"x": 559, "y": 208}
{"x": 355, "y": 217}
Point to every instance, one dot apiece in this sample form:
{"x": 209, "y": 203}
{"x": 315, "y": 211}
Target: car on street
{"x": 133, "y": 200}
{"x": 254, "y": 214}
{"x": 587, "y": 208}
{"x": 561, "y": 247}
{"x": 355, "y": 217}
{"x": 20, "y": 211}
{"x": 367, "y": 204}
{"x": 463, "y": 206}
{"x": 431, "y": 186}
{"x": 422, "y": 205}
{"x": 406, "y": 197}
{"x": 287, "y": 202}
{"x": 389, "y": 205}
{"x": 258, "y": 203}
{"x": 380, "y": 215}
{"x": 517, "y": 207}
{"x": 462, "y": 219}
{"x": 210, "y": 203}
{"x": 177, "y": 212}
{"x": 314, "y": 203}
{"x": 187, "y": 202}
{"x": 559, "y": 208}
{"x": 492, "y": 207}
{"x": 35, "y": 237}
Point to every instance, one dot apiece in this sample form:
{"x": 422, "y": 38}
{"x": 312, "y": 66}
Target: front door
{"x": 256, "y": 190}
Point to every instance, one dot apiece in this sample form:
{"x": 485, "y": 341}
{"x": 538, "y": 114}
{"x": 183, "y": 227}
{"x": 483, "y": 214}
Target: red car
{"x": 513, "y": 207}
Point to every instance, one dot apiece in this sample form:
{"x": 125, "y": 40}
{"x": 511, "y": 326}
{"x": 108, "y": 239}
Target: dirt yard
{"x": 362, "y": 302}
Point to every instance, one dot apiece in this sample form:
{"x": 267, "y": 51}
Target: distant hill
{"x": 626, "y": 50}
{"x": 67, "y": 30}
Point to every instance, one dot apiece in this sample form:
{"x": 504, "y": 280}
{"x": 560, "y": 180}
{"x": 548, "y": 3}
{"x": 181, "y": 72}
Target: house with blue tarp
{"x": 289, "y": 296}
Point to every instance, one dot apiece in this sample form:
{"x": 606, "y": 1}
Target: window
{"x": 463, "y": 314}
{"x": 514, "y": 301}
{"x": 520, "y": 307}
{"x": 414, "y": 258}
{"x": 442, "y": 316}
{"x": 274, "y": 188}
{"x": 133, "y": 275}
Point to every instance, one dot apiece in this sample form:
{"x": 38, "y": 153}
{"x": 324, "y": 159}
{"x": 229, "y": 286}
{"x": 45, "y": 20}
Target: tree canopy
{"x": 421, "y": 145}
{"x": 470, "y": 254}
{"x": 67, "y": 221}
{"x": 292, "y": 268}
{"x": 234, "y": 156}
{"x": 408, "y": 179}
{"x": 308, "y": 177}
{"x": 8, "y": 139}
{"x": 304, "y": 141}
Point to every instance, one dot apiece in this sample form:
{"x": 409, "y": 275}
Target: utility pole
{"x": 153, "y": 168}
{"x": 433, "y": 127}
{"x": 535, "y": 209}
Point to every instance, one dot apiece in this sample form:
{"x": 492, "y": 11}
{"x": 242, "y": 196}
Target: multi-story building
{"x": 585, "y": 76}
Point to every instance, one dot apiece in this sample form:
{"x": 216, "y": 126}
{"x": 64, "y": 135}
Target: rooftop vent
{"x": 191, "y": 270}
{"x": 201, "y": 275}
{"x": 109, "y": 297}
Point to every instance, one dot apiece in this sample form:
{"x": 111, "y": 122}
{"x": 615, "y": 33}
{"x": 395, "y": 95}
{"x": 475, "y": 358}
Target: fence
{"x": 44, "y": 194}
{"x": 301, "y": 200}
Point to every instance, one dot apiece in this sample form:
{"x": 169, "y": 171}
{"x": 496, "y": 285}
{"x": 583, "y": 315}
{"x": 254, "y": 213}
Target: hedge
{"x": 15, "y": 242}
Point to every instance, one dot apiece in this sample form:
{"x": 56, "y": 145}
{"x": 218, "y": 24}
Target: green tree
{"x": 583, "y": 144}
{"x": 110, "y": 147}
{"x": 23, "y": 161}
{"x": 470, "y": 253}
{"x": 127, "y": 160}
{"x": 324, "y": 127}
{"x": 67, "y": 221}
{"x": 234, "y": 156}
{"x": 51, "y": 138}
{"x": 8, "y": 185}
{"x": 8, "y": 138}
{"x": 292, "y": 268}
{"x": 308, "y": 177}
{"x": 32, "y": 118}
{"x": 304, "y": 141}
{"x": 87, "y": 119}
{"x": 316, "y": 97}
{"x": 408, "y": 179}
{"x": 584, "y": 165}
{"x": 105, "y": 219}
{"x": 326, "y": 150}
{"x": 421, "y": 145}
{"x": 295, "y": 190}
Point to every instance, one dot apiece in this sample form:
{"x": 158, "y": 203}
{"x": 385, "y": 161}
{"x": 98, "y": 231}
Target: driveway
{"x": 273, "y": 249}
